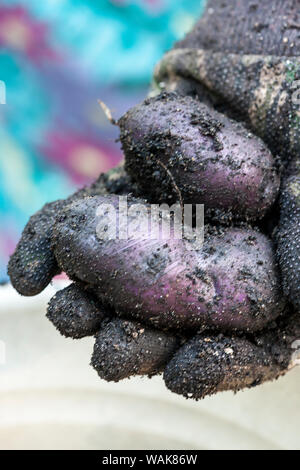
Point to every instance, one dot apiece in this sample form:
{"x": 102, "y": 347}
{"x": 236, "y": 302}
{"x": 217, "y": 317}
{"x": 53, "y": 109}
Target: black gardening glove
{"x": 234, "y": 61}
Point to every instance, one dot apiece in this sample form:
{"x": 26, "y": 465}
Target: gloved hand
{"x": 213, "y": 319}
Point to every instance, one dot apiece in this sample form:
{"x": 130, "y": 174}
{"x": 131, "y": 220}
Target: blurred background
{"x": 57, "y": 57}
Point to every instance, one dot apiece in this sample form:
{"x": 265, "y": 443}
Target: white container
{"x": 50, "y": 398}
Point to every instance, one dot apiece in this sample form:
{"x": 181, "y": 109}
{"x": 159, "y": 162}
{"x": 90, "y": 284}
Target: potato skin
{"x": 212, "y": 159}
{"x": 229, "y": 284}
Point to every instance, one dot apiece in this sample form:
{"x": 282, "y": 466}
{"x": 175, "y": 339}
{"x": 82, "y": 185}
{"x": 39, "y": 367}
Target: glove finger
{"x": 288, "y": 237}
{"x": 124, "y": 348}
{"x": 76, "y": 313}
{"x": 33, "y": 264}
{"x": 208, "y": 364}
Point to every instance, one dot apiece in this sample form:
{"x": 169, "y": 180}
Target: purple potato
{"x": 212, "y": 160}
{"x": 231, "y": 283}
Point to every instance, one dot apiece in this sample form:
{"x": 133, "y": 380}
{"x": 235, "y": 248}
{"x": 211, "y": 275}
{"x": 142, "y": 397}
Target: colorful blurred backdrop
{"x": 57, "y": 57}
